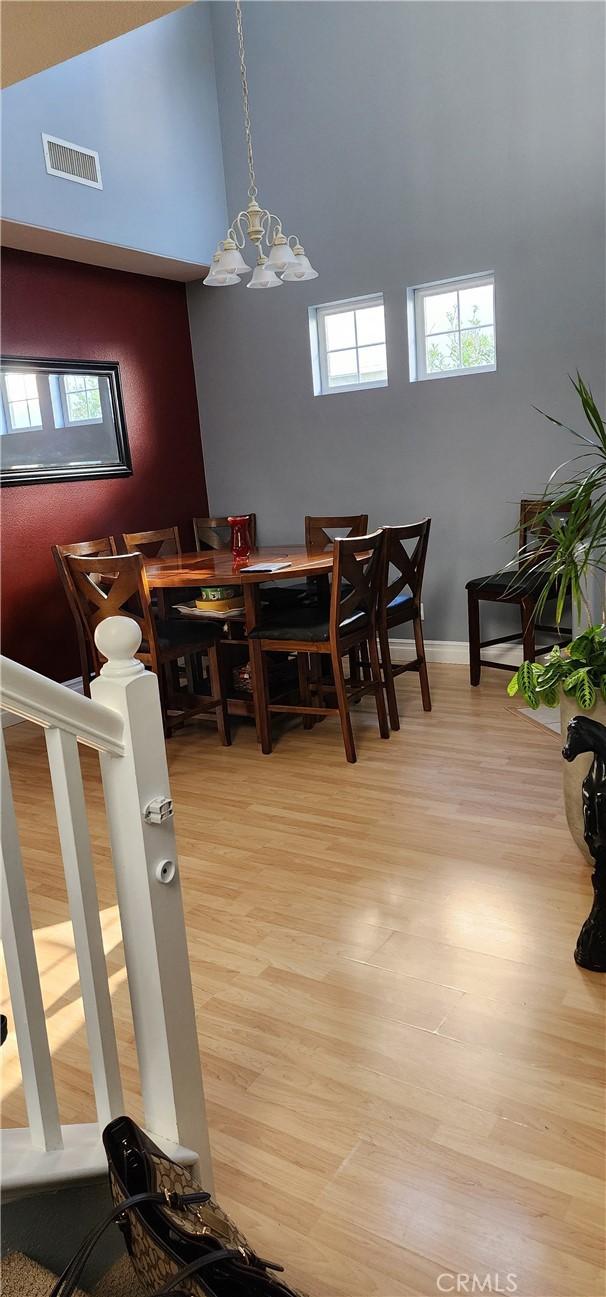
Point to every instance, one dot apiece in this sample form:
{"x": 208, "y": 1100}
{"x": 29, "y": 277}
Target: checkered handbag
{"x": 179, "y": 1239}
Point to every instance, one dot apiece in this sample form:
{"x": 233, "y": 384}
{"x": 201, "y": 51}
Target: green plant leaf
{"x": 513, "y": 686}
{"x": 570, "y": 682}
{"x": 585, "y": 693}
{"x": 533, "y": 700}
{"x": 550, "y": 697}
{"x": 526, "y": 678}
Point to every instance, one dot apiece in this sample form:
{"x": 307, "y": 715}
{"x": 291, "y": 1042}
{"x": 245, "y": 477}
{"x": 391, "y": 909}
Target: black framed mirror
{"x": 61, "y": 420}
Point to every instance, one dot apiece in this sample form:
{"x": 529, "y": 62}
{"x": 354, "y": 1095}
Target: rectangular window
{"x": 452, "y": 327}
{"x": 348, "y": 345}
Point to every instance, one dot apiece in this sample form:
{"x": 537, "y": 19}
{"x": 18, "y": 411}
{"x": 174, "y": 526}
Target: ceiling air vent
{"x": 72, "y": 162}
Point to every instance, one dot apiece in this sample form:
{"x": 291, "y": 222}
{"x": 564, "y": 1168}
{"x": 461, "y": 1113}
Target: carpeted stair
{"x": 22, "y": 1277}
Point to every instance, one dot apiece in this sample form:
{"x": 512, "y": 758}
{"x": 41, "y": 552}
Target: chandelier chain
{"x": 252, "y": 191}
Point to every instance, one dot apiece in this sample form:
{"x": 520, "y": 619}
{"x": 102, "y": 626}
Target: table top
{"x": 216, "y": 567}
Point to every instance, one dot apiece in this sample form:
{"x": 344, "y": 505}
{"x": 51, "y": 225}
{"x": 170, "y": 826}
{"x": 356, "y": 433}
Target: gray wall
{"x": 409, "y": 142}
{"x": 147, "y": 102}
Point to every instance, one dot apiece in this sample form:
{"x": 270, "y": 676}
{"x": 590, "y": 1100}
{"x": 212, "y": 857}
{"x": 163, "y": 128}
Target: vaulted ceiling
{"x": 37, "y": 34}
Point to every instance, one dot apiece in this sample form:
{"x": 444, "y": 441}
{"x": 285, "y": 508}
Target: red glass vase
{"x": 240, "y": 538}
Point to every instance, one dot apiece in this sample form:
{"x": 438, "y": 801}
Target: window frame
{"x": 416, "y": 324}
{"x": 320, "y": 352}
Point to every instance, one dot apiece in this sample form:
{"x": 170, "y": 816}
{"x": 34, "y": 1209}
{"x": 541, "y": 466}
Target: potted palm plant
{"x": 571, "y": 564}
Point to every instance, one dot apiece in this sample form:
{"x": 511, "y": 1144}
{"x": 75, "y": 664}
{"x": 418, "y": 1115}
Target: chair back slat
{"x": 215, "y": 533}
{"x": 404, "y": 555}
{"x": 317, "y": 530}
{"x": 357, "y": 572}
{"x": 102, "y": 547}
{"x": 536, "y": 534}
{"x": 113, "y": 587}
{"x": 164, "y": 542}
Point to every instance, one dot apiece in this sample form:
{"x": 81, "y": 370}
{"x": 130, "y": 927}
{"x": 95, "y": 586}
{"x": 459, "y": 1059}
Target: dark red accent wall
{"x": 65, "y": 310}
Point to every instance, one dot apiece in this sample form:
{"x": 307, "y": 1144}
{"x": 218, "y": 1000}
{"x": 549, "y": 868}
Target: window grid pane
{"x": 471, "y": 344}
{"x": 351, "y": 345}
{"x": 370, "y": 357}
{"x": 83, "y": 398}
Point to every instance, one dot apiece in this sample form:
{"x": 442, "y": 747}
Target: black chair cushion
{"x": 189, "y": 634}
{"x": 278, "y": 597}
{"x": 512, "y": 583}
{"x": 305, "y": 624}
{"x": 402, "y": 608}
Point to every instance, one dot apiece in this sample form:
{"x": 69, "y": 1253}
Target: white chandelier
{"x": 285, "y": 264}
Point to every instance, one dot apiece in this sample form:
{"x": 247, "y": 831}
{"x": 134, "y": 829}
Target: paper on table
{"x": 265, "y": 567}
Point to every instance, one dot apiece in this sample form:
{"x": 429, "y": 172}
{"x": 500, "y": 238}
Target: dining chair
{"x": 318, "y": 537}
{"x": 102, "y": 547}
{"x": 519, "y": 585}
{"x": 317, "y": 530}
{"x": 404, "y": 555}
{"x": 333, "y": 631}
{"x": 161, "y": 542}
{"x": 215, "y": 533}
{"x": 117, "y": 586}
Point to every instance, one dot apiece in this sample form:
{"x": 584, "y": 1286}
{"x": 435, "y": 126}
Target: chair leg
{"x": 473, "y": 605}
{"x": 164, "y": 696}
{"x": 216, "y": 689}
{"x": 85, "y": 666}
{"x": 423, "y": 676}
{"x": 304, "y": 689}
{"x": 527, "y": 608}
{"x": 260, "y": 689}
{"x": 375, "y": 666}
{"x": 390, "y": 689}
{"x": 343, "y": 705}
{"x": 317, "y": 682}
{"x": 354, "y": 670}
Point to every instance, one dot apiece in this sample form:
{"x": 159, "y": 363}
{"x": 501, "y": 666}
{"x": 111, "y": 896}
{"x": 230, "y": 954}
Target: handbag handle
{"x": 220, "y": 1254}
{"x": 66, "y": 1283}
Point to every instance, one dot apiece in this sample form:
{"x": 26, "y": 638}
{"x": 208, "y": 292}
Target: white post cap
{"x": 117, "y": 639}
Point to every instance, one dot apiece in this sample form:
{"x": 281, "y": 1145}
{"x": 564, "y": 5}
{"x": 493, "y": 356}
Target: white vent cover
{"x": 72, "y": 162}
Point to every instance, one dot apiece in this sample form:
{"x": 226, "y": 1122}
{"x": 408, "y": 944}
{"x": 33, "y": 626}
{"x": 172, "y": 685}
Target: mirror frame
{"x": 121, "y": 467}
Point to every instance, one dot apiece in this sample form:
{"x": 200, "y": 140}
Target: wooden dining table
{"x": 217, "y": 567}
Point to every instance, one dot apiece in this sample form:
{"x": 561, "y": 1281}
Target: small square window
{"x": 452, "y": 327}
{"x": 348, "y": 345}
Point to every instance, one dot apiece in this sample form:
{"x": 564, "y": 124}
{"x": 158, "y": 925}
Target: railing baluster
{"x": 24, "y": 983}
{"x": 74, "y": 836}
{"x": 149, "y": 896}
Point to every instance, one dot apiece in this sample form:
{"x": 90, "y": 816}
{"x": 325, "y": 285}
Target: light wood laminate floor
{"x": 404, "y": 1067}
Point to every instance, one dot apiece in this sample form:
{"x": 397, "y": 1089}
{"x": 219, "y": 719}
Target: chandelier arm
{"x": 235, "y": 229}
{"x": 252, "y": 190}
{"x": 277, "y": 230}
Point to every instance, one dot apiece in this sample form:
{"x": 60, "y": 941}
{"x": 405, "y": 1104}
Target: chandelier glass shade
{"x": 280, "y": 259}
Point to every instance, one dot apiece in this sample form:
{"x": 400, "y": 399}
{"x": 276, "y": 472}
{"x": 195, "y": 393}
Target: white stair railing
{"x": 123, "y": 722}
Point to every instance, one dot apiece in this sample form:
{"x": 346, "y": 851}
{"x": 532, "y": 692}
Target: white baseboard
{"x": 455, "y": 651}
{"x": 436, "y": 650}
{"x": 9, "y": 718}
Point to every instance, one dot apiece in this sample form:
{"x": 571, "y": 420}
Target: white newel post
{"x": 149, "y": 897}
